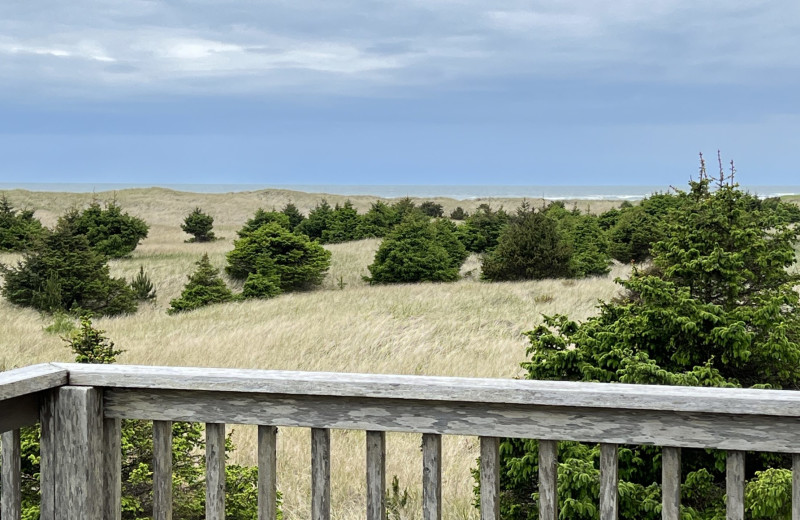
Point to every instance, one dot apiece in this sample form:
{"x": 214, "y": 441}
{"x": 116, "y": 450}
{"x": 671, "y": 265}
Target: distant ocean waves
{"x": 393, "y": 191}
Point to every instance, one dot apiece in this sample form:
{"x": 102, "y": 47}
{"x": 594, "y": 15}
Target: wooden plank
{"x": 376, "y": 475}
{"x": 162, "y": 470}
{"x": 267, "y": 473}
{"x": 320, "y": 474}
{"x": 490, "y": 478}
{"x": 671, "y": 483}
{"x": 781, "y": 403}
{"x": 735, "y": 485}
{"x": 78, "y": 448}
{"x": 112, "y": 469}
{"x": 796, "y": 486}
{"x": 548, "y": 480}
{"x": 215, "y": 471}
{"x": 431, "y": 476}
{"x": 19, "y": 412}
{"x": 12, "y": 491}
{"x": 47, "y": 454}
{"x": 609, "y": 482}
{"x": 31, "y": 380}
{"x": 691, "y": 430}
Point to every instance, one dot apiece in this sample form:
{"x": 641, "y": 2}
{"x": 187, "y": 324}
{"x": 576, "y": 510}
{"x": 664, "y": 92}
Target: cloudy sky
{"x": 510, "y": 92}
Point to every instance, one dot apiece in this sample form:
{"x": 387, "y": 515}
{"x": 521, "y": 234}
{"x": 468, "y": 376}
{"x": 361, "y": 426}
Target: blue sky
{"x": 511, "y": 92}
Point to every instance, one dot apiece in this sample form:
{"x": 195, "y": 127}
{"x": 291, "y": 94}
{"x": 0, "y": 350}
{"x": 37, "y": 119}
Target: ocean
{"x": 460, "y": 192}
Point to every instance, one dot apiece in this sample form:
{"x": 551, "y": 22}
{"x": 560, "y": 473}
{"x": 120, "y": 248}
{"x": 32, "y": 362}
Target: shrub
{"x": 317, "y": 222}
{"x": 482, "y": 229}
{"x": 258, "y": 285}
{"x": 204, "y": 287}
{"x": 109, "y": 231}
{"x": 295, "y": 217}
{"x": 531, "y": 247}
{"x": 718, "y": 308}
{"x": 262, "y": 218}
{"x": 431, "y": 209}
{"x": 91, "y": 345}
{"x": 404, "y": 208}
{"x": 270, "y": 250}
{"x": 199, "y": 224}
{"x": 445, "y": 236}
{"x": 412, "y": 252}
{"x": 590, "y": 247}
{"x": 378, "y": 220}
{"x": 458, "y": 214}
{"x": 637, "y": 228}
{"x": 65, "y": 274}
{"x": 142, "y": 286}
{"x": 19, "y": 230}
{"x": 344, "y": 225}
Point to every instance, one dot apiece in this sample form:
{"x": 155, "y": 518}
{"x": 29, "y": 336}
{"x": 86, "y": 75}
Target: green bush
{"x": 262, "y": 218}
{"x": 718, "y": 308}
{"x": 637, "y": 228}
{"x": 317, "y": 222}
{"x": 258, "y": 285}
{"x": 378, "y": 220}
{"x": 204, "y": 287}
{"x": 109, "y": 231}
{"x": 431, "y": 209}
{"x": 417, "y": 251}
{"x": 297, "y": 262}
{"x": 19, "y": 230}
{"x": 344, "y": 225}
{"x": 531, "y": 247}
{"x": 295, "y": 217}
{"x": 590, "y": 247}
{"x": 199, "y": 224}
{"x": 481, "y": 230}
{"x": 142, "y": 286}
{"x": 65, "y": 274}
{"x": 458, "y": 214}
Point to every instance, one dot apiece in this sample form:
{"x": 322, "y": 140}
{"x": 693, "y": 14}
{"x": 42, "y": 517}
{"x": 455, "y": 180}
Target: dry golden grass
{"x": 468, "y": 328}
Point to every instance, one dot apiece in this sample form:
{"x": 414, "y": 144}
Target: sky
{"x": 447, "y": 92}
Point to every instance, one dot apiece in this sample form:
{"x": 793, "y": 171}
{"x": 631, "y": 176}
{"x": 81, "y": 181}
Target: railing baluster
{"x": 609, "y": 480}
{"x": 735, "y": 485}
{"x": 112, "y": 469}
{"x": 267, "y": 473}
{"x": 162, "y": 470}
{"x": 215, "y": 471}
{"x": 671, "y": 483}
{"x": 490, "y": 478}
{"x": 12, "y": 495}
{"x": 796, "y": 486}
{"x": 376, "y": 475}
{"x": 320, "y": 474}
{"x": 431, "y": 476}
{"x": 548, "y": 480}
{"x": 47, "y": 455}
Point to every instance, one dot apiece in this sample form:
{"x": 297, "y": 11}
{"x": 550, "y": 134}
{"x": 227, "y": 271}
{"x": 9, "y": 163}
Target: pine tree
{"x": 204, "y": 287}
{"x": 199, "y": 224}
{"x": 295, "y": 217}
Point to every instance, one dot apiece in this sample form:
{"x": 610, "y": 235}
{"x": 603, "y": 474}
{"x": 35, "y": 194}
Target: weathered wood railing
{"x": 80, "y": 408}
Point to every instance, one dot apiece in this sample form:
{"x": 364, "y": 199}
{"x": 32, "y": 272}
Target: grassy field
{"x": 467, "y": 328}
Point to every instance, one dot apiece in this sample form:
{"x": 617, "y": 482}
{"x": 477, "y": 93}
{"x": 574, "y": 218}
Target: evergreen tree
{"x": 204, "y": 287}
{"x": 109, "y": 231}
{"x": 19, "y": 230}
{"x": 344, "y": 225}
{"x": 378, "y": 221}
{"x": 199, "y": 224}
{"x": 431, "y": 209}
{"x": 481, "y": 230}
{"x": 262, "y": 218}
{"x": 295, "y": 217}
{"x": 142, "y": 286}
{"x": 317, "y": 222}
{"x": 458, "y": 214}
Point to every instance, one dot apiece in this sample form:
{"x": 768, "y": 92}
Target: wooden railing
{"x": 80, "y": 408}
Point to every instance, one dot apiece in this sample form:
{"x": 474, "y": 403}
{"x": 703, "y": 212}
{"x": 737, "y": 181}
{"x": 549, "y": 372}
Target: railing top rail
{"x": 31, "y": 379}
{"x": 785, "y": 403}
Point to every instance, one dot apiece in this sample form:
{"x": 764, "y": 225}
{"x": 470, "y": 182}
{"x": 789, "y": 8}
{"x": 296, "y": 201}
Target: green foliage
{"x": 717, "y": 309}
{"x": 271, "y": 250}
{"x": 418, "y": 250}
{"x": 378, "y": 220}
{"x": 396, "y": 501}
{"x": 295, "y": 217}
{"x": 590, "y": 247}
{"x": 91, "y": 345}
{"x": 204, "y": 287}
{"x": 109, "y": 231}
{"x": 262, "y": 285}
{"x": 199, "y": 224}
{"x": 262, "y": 218}
{"x": 19, "y": 230}
{"x": 785, "y": 212}
{"x": 431, "y": 209}
{"x": 317, "y": 222}
{"x": 65, "y": 274}
{"x": 63, "y": 324}
{"x": 344, "y": 225}
{"x": 404, "y": 208}
{"x": 637, "y": 228}
{"x": 532, "y": 246}
{"x": 768, "y": 495}
{"x": 142, "y": 286}
{"x": 481, "y": 230}
{"x": 458, "y": 214}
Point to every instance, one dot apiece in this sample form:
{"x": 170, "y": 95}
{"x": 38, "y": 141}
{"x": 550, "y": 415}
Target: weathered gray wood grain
{"x": 734, "y": 485}
{"x": 548, "y": 480}
{"x": 609, "y": 482}
{"x": 376, "y": 475}
{"x": 320, "y": 474}
{"x": 12, "y": 490}
{"x": 30, "y": 380}
{"x": 215, "y": 471}
{"x": 112, "y": 469}
{"x": 19, "y": 412}
{"x": 162, "y": 470}
{"x": 490, "y": 478}
{"x": 431, "y": 476}
{"x": 47, "y": 454}
{"x": 760, "y": 433}
{"x": 78, "y": 448}
{"x": 782, "y": 403}
{"x": 267, "y": 472}
{"x": 796, "y": 486}
{"x": 671, "y": 483}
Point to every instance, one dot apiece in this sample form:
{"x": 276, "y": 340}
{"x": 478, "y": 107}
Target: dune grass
{"x": 467, "y": 328}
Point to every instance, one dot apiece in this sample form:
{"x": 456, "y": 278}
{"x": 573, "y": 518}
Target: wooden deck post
{"x": 11, "y": 507}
